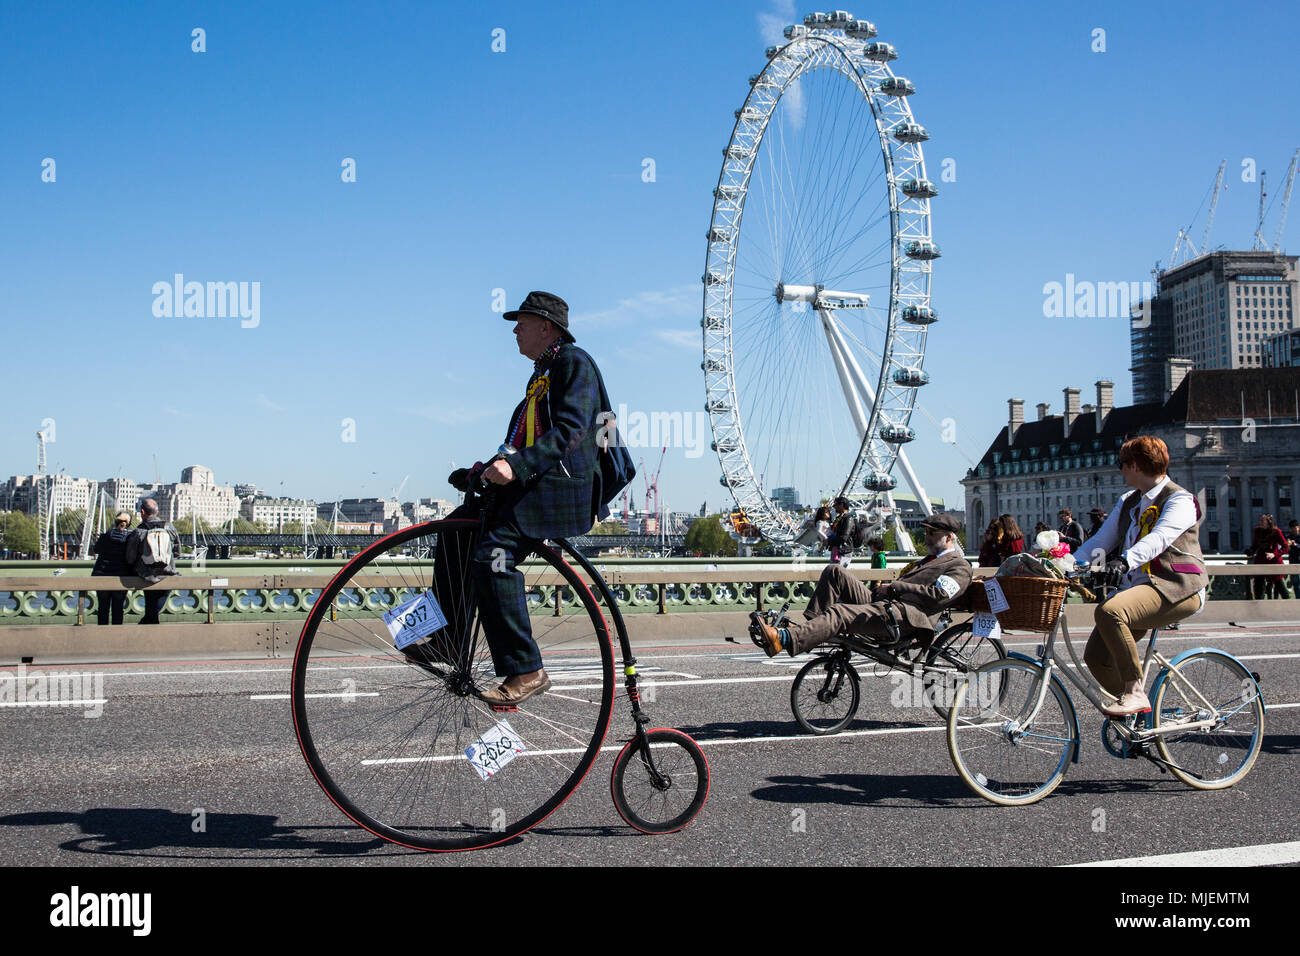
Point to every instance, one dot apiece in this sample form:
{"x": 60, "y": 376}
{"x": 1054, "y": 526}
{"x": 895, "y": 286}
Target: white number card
{"x": 494, "y": 749}
{"x": 997, "y": 600}
{"x": 414, "y": 620}
{"x": 986, "y": 625}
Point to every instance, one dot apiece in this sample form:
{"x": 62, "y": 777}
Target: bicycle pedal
{"x": 504, "y": 708}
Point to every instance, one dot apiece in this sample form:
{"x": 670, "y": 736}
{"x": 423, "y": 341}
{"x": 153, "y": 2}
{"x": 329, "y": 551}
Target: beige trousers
{"x": 1124, "y": 619}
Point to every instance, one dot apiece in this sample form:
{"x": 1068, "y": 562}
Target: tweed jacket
{"x": 930, "y": 585}
{"x": 558, "y": 475}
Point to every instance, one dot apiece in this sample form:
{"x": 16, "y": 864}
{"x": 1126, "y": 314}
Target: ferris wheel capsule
{"x": 919, "y": 189}
{"x": 880, "y": 481}
{"x": 861, "y": 29}
{"x": 921, "y": 249}
{"x": 879, "y": 52}
{"x": 817, "y": 21}
{"x": 919, "y": 315}
{"x": 911, "y": 377}
{"x": 897, "y": 86}
{"x": 911, "y": 133}
{"x": 897, "y": 434}
{"x": 795, "y": 31}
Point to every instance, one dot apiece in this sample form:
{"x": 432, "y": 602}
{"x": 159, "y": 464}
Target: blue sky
{"x": 481, "y": 170}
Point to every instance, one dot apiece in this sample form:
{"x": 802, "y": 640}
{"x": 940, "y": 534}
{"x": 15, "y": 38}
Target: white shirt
{"x": 1178, "y": 514}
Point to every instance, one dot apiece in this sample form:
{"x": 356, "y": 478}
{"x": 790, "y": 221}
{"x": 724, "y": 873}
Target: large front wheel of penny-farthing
{"x": 409, "y": 751}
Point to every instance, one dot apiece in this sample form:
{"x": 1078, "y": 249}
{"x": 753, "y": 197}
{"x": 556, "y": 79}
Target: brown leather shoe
{"x": 765, "y": 635}
{"x": 506, "y": 694}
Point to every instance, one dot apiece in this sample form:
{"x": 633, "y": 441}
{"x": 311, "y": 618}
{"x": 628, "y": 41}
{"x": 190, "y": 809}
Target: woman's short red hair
{"x": 1147, "y": 454}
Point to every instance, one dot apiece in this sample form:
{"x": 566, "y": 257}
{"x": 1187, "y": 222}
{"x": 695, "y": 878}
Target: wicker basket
{"x": 1035, "y": 602}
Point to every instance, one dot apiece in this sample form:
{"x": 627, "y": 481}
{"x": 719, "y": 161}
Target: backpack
{"x": 858, "y": 535}
{"x": 616, "y": 468}
{"x": 155, "y": 550}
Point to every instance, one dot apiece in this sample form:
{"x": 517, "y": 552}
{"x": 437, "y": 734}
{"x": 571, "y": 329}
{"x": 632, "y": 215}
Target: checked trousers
{"x": 498, "y": 588}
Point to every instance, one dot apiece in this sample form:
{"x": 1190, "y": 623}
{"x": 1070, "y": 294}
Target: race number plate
{"x": 494, "y": 749}
{"x": 414, "y": 620}
{"x": 986, "y": 625}
{"x": 997, "y": 600}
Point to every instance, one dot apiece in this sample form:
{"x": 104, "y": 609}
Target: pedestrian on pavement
{"x": 877, "y": 548}
{"x": 841, "y": 536}
{"x": 110, "y": 561}
{"x": 1268, "y": 546}
{"x": 1070, "y": 530}
{"x": 151, "y": 553}
{"x": 1096, "y": 518}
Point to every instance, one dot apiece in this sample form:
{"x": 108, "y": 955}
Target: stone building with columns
{"x": 1233, "y": 437}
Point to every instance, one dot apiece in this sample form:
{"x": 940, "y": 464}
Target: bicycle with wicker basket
{"x": 1013, "y": 729}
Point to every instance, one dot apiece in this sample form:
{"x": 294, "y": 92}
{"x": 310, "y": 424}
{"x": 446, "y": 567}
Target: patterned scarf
{"x": 526, "y": 428}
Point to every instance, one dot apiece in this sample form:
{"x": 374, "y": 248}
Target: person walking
{"x": 110, "y": 561}
{"x": 877, "y": 548}
{"x": 1268, "y": 546}
{"x": 1071, "y": 531}
{"x": 151, "y": 553}
{"x": 1096, "y": 518}
{"x": 841, "y": 536}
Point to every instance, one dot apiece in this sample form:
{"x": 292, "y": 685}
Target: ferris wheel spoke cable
{"x": 871, "y": 221}
{"x": 816, "y": 185}
{"x": 834, "y": 180}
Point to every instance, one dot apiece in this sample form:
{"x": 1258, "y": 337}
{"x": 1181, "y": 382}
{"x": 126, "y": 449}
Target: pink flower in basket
{"x": 1060, "y": 551}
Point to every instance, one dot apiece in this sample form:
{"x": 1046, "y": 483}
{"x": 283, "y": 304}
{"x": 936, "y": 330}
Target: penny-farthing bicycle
{"x": 410, "y": 752}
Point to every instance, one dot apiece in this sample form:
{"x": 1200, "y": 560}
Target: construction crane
{"x": 42, "y": 504}
{"x": 1214, "y": 202}
{"x": 652, "y": 489}
{"x": 1183, "y": 241}
{"x": 1259, "y": 226}
{"x": 1286, "y": 201}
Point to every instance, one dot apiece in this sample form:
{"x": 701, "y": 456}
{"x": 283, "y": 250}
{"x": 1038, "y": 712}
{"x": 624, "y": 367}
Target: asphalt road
{"x": 196, "y": 763}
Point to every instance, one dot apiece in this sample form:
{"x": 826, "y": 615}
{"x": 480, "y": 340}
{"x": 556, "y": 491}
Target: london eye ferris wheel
{"x": 817, "y": 280}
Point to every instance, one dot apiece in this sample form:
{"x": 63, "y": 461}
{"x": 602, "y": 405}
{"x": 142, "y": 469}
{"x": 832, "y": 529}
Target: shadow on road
{"x": 774, "y": 728}
{"x": 166, "y": 833}
{"x": 1280, "y": 743}
{"x": 920, "y": 791}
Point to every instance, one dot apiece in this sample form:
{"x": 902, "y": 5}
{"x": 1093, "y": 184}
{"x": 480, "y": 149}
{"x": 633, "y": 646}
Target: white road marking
{"x": 1264, "y": 854}
{"x": 53, "y": 703}
{"x": 355, "y": 693}
{"x": 722, "y": 742}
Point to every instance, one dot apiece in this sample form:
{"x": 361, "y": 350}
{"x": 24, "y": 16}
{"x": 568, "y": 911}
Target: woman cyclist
{"x": 1158, "y": 570}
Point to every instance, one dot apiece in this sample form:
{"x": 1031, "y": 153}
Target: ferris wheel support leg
{"x": 856, "y": 387}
